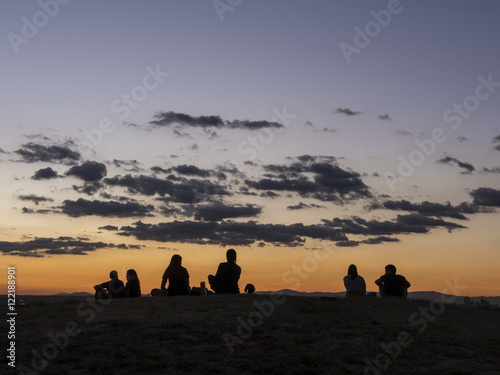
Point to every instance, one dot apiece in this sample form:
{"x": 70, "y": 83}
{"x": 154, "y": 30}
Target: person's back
{"x": 227, "y": 276}
{"x": 177, "y": 276}
{"x": 355, "y": 285}
{"x": 133, "y": 286}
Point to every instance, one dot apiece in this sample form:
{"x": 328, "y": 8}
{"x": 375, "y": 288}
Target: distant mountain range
{"x": 428, "y": 296}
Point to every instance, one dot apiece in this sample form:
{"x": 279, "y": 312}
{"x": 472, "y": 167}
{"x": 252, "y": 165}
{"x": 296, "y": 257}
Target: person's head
{"x": 113, "y": 275}
{"x": 176, "y": 261}
{"x": 132, "y": 275}
{"x": 352, "y": 271}
{"x": 250, "y": 288}
{"x": 390, "y": 269}
{"x": 231, "y": 255}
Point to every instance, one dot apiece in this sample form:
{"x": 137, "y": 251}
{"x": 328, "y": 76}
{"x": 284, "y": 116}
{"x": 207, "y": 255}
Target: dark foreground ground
{"x": 254, "y": 334}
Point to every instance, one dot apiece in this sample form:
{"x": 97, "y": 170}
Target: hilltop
{"x": 257, "y": 334}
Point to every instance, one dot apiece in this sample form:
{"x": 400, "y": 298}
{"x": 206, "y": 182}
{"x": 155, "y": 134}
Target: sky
{"x": 307, "y": 135}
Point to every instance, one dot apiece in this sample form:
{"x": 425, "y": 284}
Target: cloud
{"x": 497, "y": 147}
{"x": 32, "y": 152}
{"x": 496, "y": 139}
{"x": 404, "y": 133}
{"x": 469, "y": 168}
{"x": 486, "y": 197}
{"x": 230, "y": 233}
{"x": 89, "y": 188}
{"x": 347, "y": 112}
{"x": 432, "y": 209}
{"x": 133, "y": 165}
{"x": 403, "y": 224}
{"x": 219, "y": 211}
{"x": 302, "y": 206}
{"x": 45, "y": 174}
{"x": 40, "y": 247}
{"x": 166, "y": 119}
{"x": 370, "y": 241}
{"x": 177, "y": 189}
{"x": 191, "y": 170}
{"x": 84, "y": 207}
{"x": 463, "y": 139}
{"x": 384, "y": 117}
{"x": 329, "y": 182}
{"x": 109, "y": 227}
{"x": 34, "y": 198}
{"x": 491, "y": 170}
{"x": 88, "y": 171}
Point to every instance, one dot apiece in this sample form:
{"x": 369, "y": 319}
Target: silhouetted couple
{"x": 225, "y": 280}
{"x": 114, "y": 288}
{"x": 390, "y": 284}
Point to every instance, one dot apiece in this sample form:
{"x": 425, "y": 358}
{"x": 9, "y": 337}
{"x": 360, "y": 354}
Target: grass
{"x": 302, "y": 335}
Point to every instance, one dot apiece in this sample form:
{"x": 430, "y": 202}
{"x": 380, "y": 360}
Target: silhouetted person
{"x": 355, "y": 285}
{"x": 133, "y": 286}
{"x": 392, "y": 285}
{"x": 113, "y": 288}
{"x": 227, "y": 276}
{"x": 177, "y": 276}
{"x": 249, "y": 288}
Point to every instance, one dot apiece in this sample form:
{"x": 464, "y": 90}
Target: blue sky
{"x": 280, "y": 63}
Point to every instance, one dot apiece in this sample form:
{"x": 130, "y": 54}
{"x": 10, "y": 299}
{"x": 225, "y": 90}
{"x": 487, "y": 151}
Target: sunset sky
{"x": 307, "y": 135}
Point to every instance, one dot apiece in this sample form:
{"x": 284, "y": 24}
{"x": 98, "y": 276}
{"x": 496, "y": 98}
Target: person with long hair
{"x": 177, "y": 277}
{"x": 355, "y": 285}
{"x": 133, "y": 286}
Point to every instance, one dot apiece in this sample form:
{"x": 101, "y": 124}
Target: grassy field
{"x": 255, "y": 334}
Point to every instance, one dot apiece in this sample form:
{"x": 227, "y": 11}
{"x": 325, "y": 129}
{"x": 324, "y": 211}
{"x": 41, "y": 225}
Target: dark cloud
{"x": 176, "y": 189}
{"x": 497, "y": 147}
{"x": 34, "y": 198}
{"x": 89, "y": 188}
{"x": 486, "y": 197}
{"x": 231, "y": 233}
{"x": 219, "y": 211}
{"x": 329, "y": 182}
{"x": 109, "y": 227}
{"x": 33, "y": 152}
{"x": 404, "y": 133}
{"x": 384, "y": 117}
{"x": 45, "y": 174}
{"x": 191, "y": 170}
{"x": 462, "y": 139}
{"x": 491, "y": 170}
{"x": 40, "y": 247}
{"x": 496, "y": 139}
{"x": 431, "y": 209}
{"x": 403, "y": 224}
{"x": 369, "y": 241}
{"x": 165, "y": 119}
{"x": 469, "y": 168}
{"x": 88, "y": 171}
{"x": 347, "y": 112}
{"x": 302, "y": 206}
{"x": 128, "y": 165}
{"x": 84, "y": 207}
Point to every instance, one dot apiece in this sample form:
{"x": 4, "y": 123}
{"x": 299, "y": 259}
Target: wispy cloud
{"x": 347, "y": 112}
{"x": 469, "y": 168}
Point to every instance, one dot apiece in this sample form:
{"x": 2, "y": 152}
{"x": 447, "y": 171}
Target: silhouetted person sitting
{"x": 177, "y": 276}
{"x": 113, "y": 288}
{"x": 392, "y": 285}
{"x": 227, "y": 276}
{"x": 133, "y": 286}
{"x": 249, "y": 288}
{"x": 355, "y": 285}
